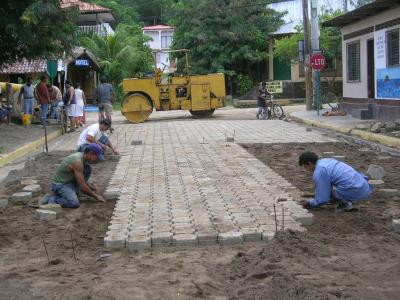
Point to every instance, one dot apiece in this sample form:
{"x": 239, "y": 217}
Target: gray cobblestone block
{"x": 161, "y": 239}
{"x": 230, "y": 238}
{"x": 45, "y": 215}
{"x": 251, "y": 234}
{"x": 328, "y": 154}
{"x": 53, "y": 207}
{"x": 111, "y": 194}
{"x": 396, "y": 225}
{"x": 114, "y": 240}
{"x": 34, "y": 188}
{"x": 268, "y": 235}
{"x": 389, "y": 192}
{"x": 185, "y": 240}
{"x": 3, "y": 203}
{"x": 377, "y": 183}
{"x": 305, "y": 219}
{"x": 28, "y": 180}
{"x": 138, "y": 242}
{"x": 21, "y": 197}
{"x": 207, "y": 237}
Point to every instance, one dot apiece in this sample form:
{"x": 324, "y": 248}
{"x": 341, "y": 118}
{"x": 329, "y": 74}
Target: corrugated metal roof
{"x": 158, "y": 27}
{"x": 84, "y": 6}
{"x": 25, "y": 67}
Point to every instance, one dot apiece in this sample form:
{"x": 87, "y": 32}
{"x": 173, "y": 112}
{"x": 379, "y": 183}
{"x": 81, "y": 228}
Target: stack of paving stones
{"x": 185, "y": 186}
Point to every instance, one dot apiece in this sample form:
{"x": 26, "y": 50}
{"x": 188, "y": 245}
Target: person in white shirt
{"x": 96, "y": 133}
{"x": 80, "y": 103}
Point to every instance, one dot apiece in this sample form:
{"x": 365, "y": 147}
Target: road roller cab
{"x": 200, "y": 94}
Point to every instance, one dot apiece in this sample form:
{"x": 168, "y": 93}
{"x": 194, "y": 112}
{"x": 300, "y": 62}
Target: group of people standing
{"x": 74, "y": 100}
{"x": 50, "y": 95}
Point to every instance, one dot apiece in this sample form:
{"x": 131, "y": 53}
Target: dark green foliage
{"x": 35, "y": 28}
{"x": 229, "y": 36}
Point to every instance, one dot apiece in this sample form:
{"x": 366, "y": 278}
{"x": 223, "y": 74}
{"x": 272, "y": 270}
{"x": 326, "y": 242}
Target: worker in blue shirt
{"x": 350, "y": 185}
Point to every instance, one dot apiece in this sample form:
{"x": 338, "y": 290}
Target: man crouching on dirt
{"x": 350, "y": 186}
{"x": 72, "y": 176}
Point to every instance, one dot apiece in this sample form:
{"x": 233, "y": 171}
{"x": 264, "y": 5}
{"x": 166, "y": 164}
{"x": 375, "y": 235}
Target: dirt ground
{"x": 350, "y": 256}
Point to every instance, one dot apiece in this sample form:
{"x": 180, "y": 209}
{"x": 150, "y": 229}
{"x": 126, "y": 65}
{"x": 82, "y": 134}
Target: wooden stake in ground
{"x": 45, "y": 249}
{"x": 283, "y": 217}
{"x": 73, "y": 247}
{"x": 45, "y": 137}
{"x": 276, "y": 223}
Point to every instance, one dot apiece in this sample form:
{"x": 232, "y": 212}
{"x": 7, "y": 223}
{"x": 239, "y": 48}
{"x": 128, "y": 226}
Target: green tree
{"x": 330, "y": 41}
{"x": 124, "y": 10}
{"x": 227, "y": 36}
{"x": 122, "y": 55}
{"x": 35, "y": 28}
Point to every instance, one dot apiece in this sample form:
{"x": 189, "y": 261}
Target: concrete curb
{"x": 369, "y": 136}
{"x": 11, "y": 156}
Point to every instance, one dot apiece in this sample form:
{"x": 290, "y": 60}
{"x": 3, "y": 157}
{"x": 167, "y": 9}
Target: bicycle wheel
{"x": 278, "y": 111}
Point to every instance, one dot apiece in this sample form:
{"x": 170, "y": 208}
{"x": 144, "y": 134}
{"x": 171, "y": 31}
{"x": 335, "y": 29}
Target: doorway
{"x": 371, "y": 68}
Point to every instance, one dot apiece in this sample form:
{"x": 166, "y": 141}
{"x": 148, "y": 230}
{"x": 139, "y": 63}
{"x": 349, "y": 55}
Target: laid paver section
{"x": 184, "y": 185}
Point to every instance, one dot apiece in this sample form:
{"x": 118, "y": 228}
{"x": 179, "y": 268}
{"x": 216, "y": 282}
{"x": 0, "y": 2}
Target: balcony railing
{"x": 103, "y": 29}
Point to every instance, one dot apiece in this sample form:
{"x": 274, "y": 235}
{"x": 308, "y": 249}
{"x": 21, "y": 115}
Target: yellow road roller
{"x": 199, "y": 94}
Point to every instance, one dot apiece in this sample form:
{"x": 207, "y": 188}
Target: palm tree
{"x": 122, "y": 55}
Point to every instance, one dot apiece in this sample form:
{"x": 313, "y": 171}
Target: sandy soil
{"x": 350, "y": 256}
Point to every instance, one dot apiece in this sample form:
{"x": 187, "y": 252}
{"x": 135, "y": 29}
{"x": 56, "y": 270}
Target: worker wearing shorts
{"x": 105, "y": 94}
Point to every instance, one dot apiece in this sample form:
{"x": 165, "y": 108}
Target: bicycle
{"x": 272, "y": 108}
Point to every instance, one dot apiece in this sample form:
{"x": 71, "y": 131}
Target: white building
{"x": 161, "y": 39}
{"x": 371, "y": 60}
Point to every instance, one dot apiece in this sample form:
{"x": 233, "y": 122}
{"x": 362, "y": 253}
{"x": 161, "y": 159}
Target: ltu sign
{"x": 317, "y": 62}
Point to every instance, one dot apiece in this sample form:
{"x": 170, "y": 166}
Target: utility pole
{"x": 307, "y": 68}
{"x": 315, "y": 49}
{"x": 345, "y": 6}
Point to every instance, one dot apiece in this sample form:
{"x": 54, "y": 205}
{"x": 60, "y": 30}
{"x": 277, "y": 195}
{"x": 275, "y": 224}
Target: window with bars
{"x": 166, "y": 41}
{"x": 392, "y": 48}
{"x": 353, "y": 62}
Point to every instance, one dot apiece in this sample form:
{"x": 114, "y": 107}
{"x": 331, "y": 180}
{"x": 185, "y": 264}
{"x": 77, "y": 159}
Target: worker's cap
{"x": 106, "y": 122}
{"x": 96, "y": 149}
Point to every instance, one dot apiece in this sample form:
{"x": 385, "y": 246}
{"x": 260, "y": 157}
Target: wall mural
{"x": 387, "y": 85}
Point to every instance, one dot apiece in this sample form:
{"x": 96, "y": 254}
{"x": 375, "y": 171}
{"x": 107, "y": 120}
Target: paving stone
{"x": 114, "y": 240}
{"x": 21, "y": 197}
{"x": 52, "y": 207}
{"x": 34, "y": 188}
{"x": 268, "y": 235}
{"x": 230, "y": 238}
{"x": 328, "y": 154}
{"x": 3, "y": 203}
{"x": 251, "y": 234}
{"x": 376, "y": 183}
{"x": 396, "y": 225}
{"x": 305, "y": 219}
{"x": 184, "y": 240}
{"x": 137, "y": 242}
{"x": 375, "y": 172}
{"x": 29, "y": 181}
{"x": 161, "y": 239}
{"x": 45, "y": 215}
{"x": 207, "y": 237}
{"x": 389, "y": 192}
{"x": 111, "y": 194}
